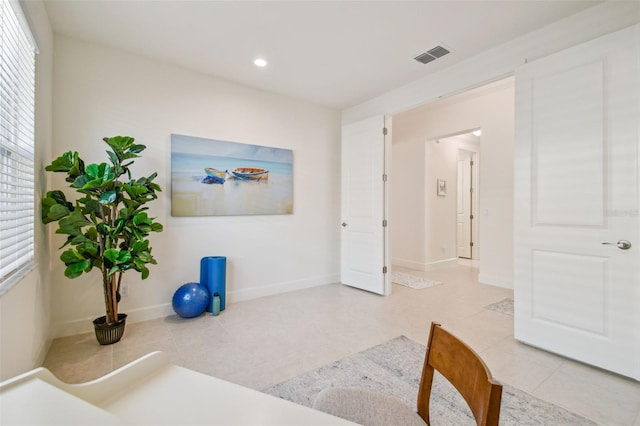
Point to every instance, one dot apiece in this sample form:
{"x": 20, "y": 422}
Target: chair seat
{"x": 366, "y": 407}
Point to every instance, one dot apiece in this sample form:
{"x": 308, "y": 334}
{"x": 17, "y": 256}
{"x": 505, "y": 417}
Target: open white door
{"x": 464, "y": 214}
{"x": 364, "y": 237}
{"x": 576, "y": 233}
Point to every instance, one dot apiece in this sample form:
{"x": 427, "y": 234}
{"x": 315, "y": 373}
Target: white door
{"x": 364, "y": 251}
{"x": 463, "y": 215}
{"x": 577, "y": 283}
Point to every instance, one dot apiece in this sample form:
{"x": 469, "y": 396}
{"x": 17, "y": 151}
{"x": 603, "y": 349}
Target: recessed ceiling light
{"x": 260, "y": 62}
{"x": 477, "y": 132}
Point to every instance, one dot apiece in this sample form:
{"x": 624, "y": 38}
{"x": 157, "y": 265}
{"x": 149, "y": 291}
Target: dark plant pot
{"x": 108, "y": 334}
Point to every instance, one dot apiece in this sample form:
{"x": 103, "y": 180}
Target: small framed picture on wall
{"x": 442, "y": 187}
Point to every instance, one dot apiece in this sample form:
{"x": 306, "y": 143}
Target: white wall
{"x": 104, "y": 92}
{"x": 440, "y": 211}
{"x": 406, "y": 200}
{"x": 25, "y": 330}
{"x": 423, "y": 224}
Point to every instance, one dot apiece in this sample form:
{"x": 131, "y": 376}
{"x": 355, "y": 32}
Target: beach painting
{"x": 211, "y": 177}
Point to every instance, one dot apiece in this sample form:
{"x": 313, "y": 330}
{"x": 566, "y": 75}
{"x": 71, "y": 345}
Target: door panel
{"x": 569, "y": 290}
{"x": 363, "y": 239}
{"x": 576, "y": 186}
{"x": 567, "y": 137}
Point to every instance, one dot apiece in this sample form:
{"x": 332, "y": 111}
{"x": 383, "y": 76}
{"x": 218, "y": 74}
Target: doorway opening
{"x": 466, "y": 147}
{"x": 450, "y": 189}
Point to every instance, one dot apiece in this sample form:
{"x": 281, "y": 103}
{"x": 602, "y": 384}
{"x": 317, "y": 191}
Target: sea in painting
{"x": 248, "y": 191}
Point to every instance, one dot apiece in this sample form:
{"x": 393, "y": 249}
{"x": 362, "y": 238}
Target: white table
{"x": 148, "y": 391}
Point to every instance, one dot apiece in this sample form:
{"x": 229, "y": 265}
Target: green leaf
{"x": 92, "y": 170}
{"x": 89, "y": 249}
{"x": 111, "y": 255}
{"x": 113, "y": 157}
{"x": 45, "y": 207}
{"x": 72, "y": 224}
{"x": 124, "y": 256}
{"x": 60, "y": 198}
{"x": 57, "y": 212}
{"x": 79, "y": 239}
{"x": 113, "y": 270}
{"x": 134, "y": 190}
{"x": 68, "y": 162}
{"x": 119, "y": 144}
{"x": 64, "y": 163}
{"x": 74, "y": 270}
{"x": 140, "y": 245}
{"x": 118, "y": 226}
{"x": 92, "y": 234}
{"x": 55, "y": 206}
{"x": 102, "y": 228}
{"x": 141, "y": 218}
{"x": 145, "y": 257}
{"x": 80, "y": 181}
{"x": 97, "y": 176}
{"x": 156, "y": 227}
{"x": 117, "y": 257}
{"x": 137, "y": 149}
{"x": 70, "y": 256}
{"x": 108, "y": 197}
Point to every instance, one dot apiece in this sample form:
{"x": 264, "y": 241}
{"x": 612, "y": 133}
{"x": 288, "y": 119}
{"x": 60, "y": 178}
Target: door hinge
{"x": 471, "y": 189}
{"x": 384, "y": 222}
{"x": 471, "y": 244}
{"x": 384, "y": 131}
{"x": 384, "y": 269}
{"x": 471, "y": 162}
{"x": 384, "y": 177}
{"x": 471, "y": 217}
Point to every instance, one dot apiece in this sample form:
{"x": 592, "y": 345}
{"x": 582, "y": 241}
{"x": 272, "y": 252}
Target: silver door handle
{"x": 622, "y": 244}
{"x": 344, "y": 224}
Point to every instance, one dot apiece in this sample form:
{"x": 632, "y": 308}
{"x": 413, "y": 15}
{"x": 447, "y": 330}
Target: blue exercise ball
{"x": 190, "y": 300}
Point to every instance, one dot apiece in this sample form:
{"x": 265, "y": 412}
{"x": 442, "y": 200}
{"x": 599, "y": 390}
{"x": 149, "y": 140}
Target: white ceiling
{"x": 334, "y": 53}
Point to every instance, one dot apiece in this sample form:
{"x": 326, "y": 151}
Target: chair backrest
{"x": 466, "y": 371}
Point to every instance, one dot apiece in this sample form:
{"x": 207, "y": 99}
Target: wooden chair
{"x": 452, "y": 358}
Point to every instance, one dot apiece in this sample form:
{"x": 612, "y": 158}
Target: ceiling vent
{"x": 432, "y": 54}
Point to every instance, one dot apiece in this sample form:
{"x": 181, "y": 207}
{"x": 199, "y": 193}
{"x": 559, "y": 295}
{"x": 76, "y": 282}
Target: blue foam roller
{"x": 213, "y": 275}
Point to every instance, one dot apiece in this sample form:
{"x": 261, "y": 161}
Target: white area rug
{"x": 412, "y": 281}
{"x": 393, "y": 368}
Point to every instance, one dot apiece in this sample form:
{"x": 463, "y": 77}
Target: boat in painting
{"x": 210, "y": 171}
{"x": 249, "y": 173}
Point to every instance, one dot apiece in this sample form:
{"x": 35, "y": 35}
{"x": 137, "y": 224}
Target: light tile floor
{"x": 262, "y": 342}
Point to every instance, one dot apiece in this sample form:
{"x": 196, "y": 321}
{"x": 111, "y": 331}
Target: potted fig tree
{"x": 107, "y": 225}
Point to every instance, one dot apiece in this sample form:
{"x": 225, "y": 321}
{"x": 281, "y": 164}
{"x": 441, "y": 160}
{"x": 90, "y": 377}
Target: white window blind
{"x": 17, "y": 103}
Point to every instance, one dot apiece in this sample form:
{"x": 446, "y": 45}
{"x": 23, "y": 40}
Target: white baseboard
{"x": 422, "y": 266}
{"x": 85, "y": 325}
